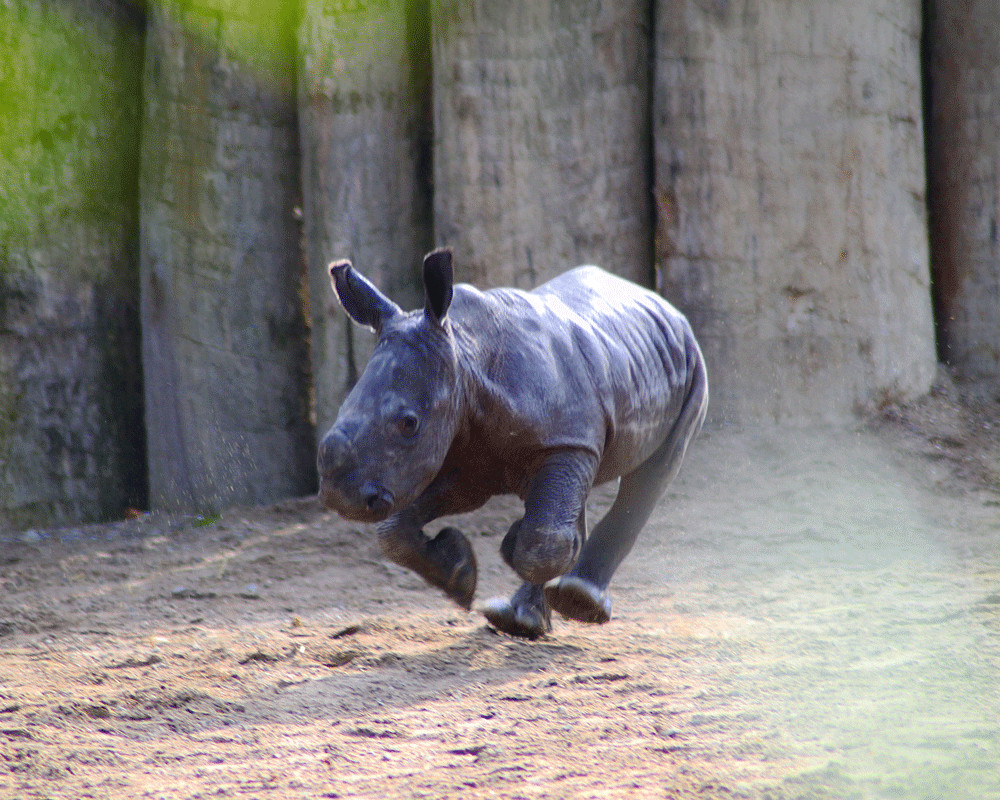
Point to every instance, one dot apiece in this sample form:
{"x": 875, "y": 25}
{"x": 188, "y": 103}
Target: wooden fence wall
{"x": 764, "y": 164}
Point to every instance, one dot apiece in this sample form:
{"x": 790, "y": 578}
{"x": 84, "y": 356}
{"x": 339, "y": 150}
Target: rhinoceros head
{"x": 397, "y": 423}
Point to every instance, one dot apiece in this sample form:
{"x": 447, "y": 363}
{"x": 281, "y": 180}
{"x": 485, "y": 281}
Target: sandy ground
{"x": 809, "y": 614}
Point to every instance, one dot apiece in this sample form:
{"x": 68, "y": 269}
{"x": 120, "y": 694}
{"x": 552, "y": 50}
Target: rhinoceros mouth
{"x": 370, "y": 504}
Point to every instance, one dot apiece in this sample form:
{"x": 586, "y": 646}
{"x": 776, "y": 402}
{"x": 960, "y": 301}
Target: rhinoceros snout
{"x": 333, "y": 455}
{"x": 343, "y": 487}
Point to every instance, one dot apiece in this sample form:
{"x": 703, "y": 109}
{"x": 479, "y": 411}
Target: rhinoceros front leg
{"x": 544, "y": 543}
{"x": 446, "y": 561}
{"x": 526, "y": 614}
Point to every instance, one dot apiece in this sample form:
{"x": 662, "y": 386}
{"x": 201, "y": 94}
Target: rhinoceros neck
{"x": 515, "y": 394}
{"x": 477, "y": 323}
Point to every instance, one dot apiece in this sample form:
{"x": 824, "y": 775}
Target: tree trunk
{"x": 964, "y": 174}
{"x": 790, "y": 201}
{"x": 71, "y": 446}
{"x": 224, "y": 338}
{"x": 541, "y": 128}
{"x": 364, "y": 108}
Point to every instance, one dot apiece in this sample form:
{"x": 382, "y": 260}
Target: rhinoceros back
{"x": 587, "y": 360}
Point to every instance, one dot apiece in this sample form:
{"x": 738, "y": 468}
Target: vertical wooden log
{"x": 224, "y": 339}
{"x": 71, "y": 446}
{"x": 964, "y": 178}
{"x": 790, "y": 201}
{"x": 364, "y": 71}
{"x": 541, "y": 129}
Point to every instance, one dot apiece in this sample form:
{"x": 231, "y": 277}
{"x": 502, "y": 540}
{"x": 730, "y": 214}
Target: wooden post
{"x": 224, "y": 338}
{"x": 964, "y": 180}
{"x": 71, "y": 444}
{"x": 364, "y": 72}
{"x": 790, "y": 201}
{"x": 541, "y": 133}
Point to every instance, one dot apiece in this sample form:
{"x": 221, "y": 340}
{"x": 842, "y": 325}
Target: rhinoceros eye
{"x": 408, "y": 423}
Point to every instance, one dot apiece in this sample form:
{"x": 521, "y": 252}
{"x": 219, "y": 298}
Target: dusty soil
{"x": 809, "y": 614}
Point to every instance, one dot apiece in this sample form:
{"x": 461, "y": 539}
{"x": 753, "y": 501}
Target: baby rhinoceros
{"x": 541, "y": 394}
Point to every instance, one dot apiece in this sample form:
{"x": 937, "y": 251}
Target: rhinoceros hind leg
{"x": 525, "y": 615}
{"x": 579, "y": 599}
{"x": 613, "y": 537}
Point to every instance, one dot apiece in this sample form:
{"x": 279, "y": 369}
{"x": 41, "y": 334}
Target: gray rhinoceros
{"x": 541, "y": 394}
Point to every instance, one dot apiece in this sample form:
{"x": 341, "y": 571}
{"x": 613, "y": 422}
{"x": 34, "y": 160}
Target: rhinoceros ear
{"x": 362, "y": 301}
{"x": 438, "y": 279}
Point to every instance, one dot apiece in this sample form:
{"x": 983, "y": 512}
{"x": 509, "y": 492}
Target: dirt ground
{"x": 809, "y": 614}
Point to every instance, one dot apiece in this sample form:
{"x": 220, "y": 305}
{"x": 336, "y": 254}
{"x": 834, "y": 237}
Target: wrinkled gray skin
{"x": 542, "y": 394}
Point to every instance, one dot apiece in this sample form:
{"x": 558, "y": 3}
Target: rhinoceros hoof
{"x": 522, "y": 621}
{"x": 578, "y": 599}
{"x": 462, "y": 585}
{"x": 454, "y": 553}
